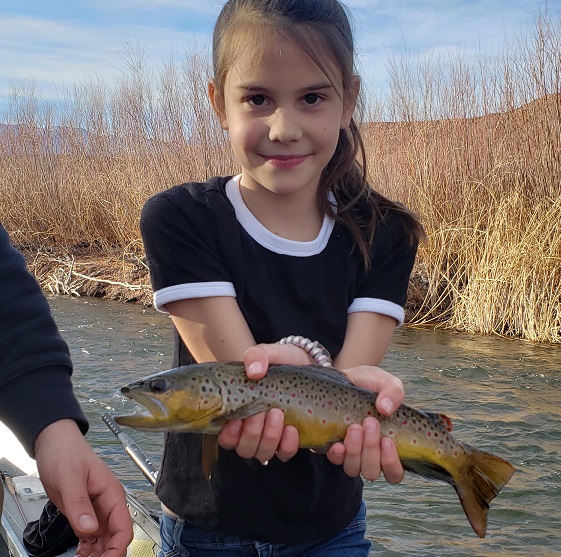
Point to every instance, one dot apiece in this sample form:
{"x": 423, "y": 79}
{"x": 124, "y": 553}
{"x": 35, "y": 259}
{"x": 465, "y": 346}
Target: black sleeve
{"x": 35, "y": 365}
{"x": 392, "y": 257}
{"x": 179, "y": 233}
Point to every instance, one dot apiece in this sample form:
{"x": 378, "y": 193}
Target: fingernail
{"x": 255, "y": 368}
{"x": 87, "y": 522}
{"x": 369, "y": 424}
{"x": 386, "y": 405}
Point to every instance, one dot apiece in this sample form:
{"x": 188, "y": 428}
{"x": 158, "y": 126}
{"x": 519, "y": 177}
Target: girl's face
{"x": 283, "y": 116}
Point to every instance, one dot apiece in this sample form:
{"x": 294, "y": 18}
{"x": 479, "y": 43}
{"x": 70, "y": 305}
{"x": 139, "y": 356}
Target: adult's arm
{"x": 35, "y": 364}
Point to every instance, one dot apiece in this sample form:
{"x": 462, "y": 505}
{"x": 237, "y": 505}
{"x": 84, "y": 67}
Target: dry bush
{"x": 473, "y": 148}
{"x": 476, "y": 152}
{"x": 80, "y": 175}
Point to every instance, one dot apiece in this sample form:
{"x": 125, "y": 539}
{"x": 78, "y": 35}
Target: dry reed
{"x": 474, "y": 149}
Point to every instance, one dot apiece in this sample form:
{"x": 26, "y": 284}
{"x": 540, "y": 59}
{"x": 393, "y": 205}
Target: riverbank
{"x": 125, "y": 277}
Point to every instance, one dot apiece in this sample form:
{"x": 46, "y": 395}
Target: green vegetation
{"x": 474, "y": 149}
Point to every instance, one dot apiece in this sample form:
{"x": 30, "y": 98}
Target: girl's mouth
{"x": 285, "y": 162}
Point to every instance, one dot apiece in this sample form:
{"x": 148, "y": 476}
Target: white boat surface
{"x": 19, "y": 510}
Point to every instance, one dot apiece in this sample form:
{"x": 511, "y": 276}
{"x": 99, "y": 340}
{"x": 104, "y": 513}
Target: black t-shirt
{"x": 200, "y": 241}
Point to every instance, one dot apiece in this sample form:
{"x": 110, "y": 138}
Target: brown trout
{"x": 321, "y": 403}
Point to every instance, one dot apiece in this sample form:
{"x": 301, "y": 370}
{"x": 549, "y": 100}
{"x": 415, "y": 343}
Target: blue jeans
{"x": 180, "y": 539}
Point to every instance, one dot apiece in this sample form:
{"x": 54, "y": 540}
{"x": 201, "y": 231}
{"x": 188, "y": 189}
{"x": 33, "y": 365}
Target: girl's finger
{"x": 230, "y": 435}
{"x": 391, "y": 465}
{"x": 353, "y": 450}
{"x": 370, "y": 460}
{"x": 251, "y": 435}
{"x": 288, "y": 445}
{"x": 271, "y": 436}
{"x": 336, "y": 454}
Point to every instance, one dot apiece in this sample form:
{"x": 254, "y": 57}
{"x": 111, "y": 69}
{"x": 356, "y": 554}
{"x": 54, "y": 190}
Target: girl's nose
{"x": 285, "y": 126}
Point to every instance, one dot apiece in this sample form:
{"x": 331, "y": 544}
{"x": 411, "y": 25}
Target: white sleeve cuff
{"x": 375, "y": 305}
{"x": 192, "y": 290}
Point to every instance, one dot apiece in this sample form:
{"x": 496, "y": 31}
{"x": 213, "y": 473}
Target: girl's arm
{"x": 212, "y": 328}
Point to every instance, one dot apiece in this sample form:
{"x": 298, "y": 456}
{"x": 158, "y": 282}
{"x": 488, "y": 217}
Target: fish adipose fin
{"x": 440, "y": 419}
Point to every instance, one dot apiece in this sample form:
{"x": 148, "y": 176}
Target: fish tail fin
{"x": 485, "y": 477}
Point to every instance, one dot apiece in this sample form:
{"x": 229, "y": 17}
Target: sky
{"x": 52, "y": 45}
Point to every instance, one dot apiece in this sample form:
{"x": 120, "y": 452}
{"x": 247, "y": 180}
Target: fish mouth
{"x": 155, "y": 414}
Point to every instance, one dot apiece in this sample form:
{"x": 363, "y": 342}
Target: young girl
{"x": 296, "y": 244}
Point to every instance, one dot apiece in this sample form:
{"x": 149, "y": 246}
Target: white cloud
{"x": 63, "y": 53}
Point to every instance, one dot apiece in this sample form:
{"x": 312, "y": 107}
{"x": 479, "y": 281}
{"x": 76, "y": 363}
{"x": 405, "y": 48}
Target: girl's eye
{"x": 311, "y": 98}
{"x": 257, "y": 100}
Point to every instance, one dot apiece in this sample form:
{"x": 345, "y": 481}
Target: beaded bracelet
{"x": 316, "y": 350}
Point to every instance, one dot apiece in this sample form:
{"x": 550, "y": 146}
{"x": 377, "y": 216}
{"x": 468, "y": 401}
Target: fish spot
{"x": 428, "y": 433}
{"x": 404, "y": 422}
{"x": 414, "y": 441}
{"x": 310, "y": 411}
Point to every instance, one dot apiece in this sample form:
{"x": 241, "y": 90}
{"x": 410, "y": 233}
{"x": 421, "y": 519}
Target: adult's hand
{"x": 82, "y": 487}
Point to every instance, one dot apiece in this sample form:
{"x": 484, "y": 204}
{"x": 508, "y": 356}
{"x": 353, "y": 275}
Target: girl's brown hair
{"x": 319, "y": 27}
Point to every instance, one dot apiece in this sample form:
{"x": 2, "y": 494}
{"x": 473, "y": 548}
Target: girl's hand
{"x": 264, "y": 435}
{"x": 364, "y": 451}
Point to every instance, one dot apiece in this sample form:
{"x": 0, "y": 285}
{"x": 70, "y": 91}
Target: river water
{"x": 502, "y": 395}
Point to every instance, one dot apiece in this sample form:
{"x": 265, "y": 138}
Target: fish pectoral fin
{"x": 209, "y": 454}
{"x": 247, "y": 410}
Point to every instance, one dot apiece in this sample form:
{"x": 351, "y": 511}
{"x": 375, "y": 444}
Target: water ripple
{"x": 503, "y": 396}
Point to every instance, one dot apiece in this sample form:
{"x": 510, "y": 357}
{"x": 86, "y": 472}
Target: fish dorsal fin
{"x": 441, "y": 419}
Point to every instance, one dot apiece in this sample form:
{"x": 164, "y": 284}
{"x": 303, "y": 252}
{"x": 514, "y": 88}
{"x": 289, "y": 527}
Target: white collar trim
{"x": 265, "y": 237}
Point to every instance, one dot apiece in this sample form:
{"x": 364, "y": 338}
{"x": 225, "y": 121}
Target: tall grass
{"x": 473, "y": 148}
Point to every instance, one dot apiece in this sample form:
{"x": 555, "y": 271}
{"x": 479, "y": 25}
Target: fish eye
{"x": 158, "y": 385}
